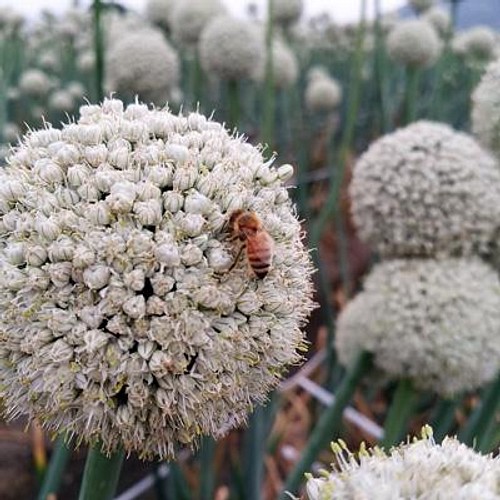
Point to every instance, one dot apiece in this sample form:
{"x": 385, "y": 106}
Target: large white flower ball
{"x": 425, "y": 190}
{"x": 418, "y": 470}
{"x": 414, "y": 43}
{"x": 142, "y": 63}
{"x": 122, "y": 319}
{"x": 231, "y": 49}
{"x": 434, "y": 321}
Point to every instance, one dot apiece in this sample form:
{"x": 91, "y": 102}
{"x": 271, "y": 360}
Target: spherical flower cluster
{"x": 10, "y": 20}
{"x": 35, "y": 83}
{"x": 435, "y": 321}
{"x": 61, "y": 100}
{"x": 322, "y": 93}
{"x": 418, "y": 470}
{"x": 486, "y": 109}
{"x": 121, "y": 320}
{"x": 285, "y": 66}
{"x": 439, "y": 19}
{"x": 10, "y": 132}
{"x": 191, "y": 16}
{"x": 76, "y": 89}
{"x": 142, "y": 63}
{"x": 420, "y": 6}
{"x": 426, "y": 190}
{"x": 160, "y": 12}
{"x": 287, "y": 12}
{"x": 230, "y": 49}
{"x": 478, "y": 43}
{"x": 414, "y": 43}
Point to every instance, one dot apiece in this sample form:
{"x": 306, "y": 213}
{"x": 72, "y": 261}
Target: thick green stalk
{"x": 195, "y": 79}
{"x": 399, "y": 413}
{"x": 380, "y": 70}
{"x": 255, "y": 448}
{"x": 177, "y": 486}
{"x": 443, "y": 417}
{"x": 411, "y": 93}
{"x": 99, "y": 51}
{"x": 53, "y": 475}
{"x": 354, "y": 101}
{"x": 207, "y": 472}
{"x": 234, "y": 103}
{"x": 482, "y": 416}
{"x": 101, "y": 474}
{"x": 328, "y": 425}
{"x": 268, "y": 115}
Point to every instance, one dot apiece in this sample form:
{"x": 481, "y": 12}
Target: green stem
{"x": 207, "y": 475}
{"x": 354, "y": 86}
{"x": 444, "y": 417}
{"x": 178, "y": 488}
{"x": 380, "y": 68}
{"x": 234, "y": 103}
{"x": 101, "y": 474}
{"x": 482, "y": 416}
{"x": 99, "y": 51}
{"x": 328, "y": 425}
{"x": 268, "y": 114}
{"x": 55, "y": 470}
{"x": 255, "y": 448}
{"x": 410, "y": 104}
{"x": 399, "y": 413}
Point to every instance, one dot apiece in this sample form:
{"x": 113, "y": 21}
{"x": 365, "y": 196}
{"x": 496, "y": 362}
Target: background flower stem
{"x": 483, "y": 416}
{"x": 443, "y": 417}
{"x": 207, "y": 472}
{"x": 99, "y": 51}
{"x": 399, "y": 413}
{"x": 328, "y": 425}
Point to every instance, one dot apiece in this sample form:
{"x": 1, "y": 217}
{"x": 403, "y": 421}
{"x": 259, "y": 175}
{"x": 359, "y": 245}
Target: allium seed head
{"x": 190, "y": 17}
{"x": 414, "y": 43}
{"x": 121, "y": 323}
{"x": 142, "y": 63}
{"x": 230, "y": 49}
{"x": 435, "y": 321}
{"x": 322, "y": 93}
{"x": 418, "y": 469}
{"x": 287, "y": 12}
{"x": 425, "y": 190}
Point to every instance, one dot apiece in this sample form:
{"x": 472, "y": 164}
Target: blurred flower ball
{"x": 230, "y": 49}
{"x": 439, "y": 19}
{"x": 285, "y": 66}
{"x": 414, "y": 43}
{"x": 120, "y": 321}
{"x": 61, "y": 100}
{"x": 421, "y": 470}
{"x": 142, "y": 63}
{"x": 189, "y": 17}
{"x": 34, "y": 83}
{"x": 160, "y": 12}
{"x": 287, "y": 12}
{"x": 420, "y": 6}
{"x": 425, "y": 190}
{"x": 476, "y": 43}
{"x": 434, "y": 321}
{"x": 322, "y": 93}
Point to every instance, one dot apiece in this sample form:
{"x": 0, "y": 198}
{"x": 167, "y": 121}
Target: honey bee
{"x": 249, "y": 230}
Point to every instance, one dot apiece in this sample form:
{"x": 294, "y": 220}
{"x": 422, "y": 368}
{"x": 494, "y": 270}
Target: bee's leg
{"x": 236, "y": 259}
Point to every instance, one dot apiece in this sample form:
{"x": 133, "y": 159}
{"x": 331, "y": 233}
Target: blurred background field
{"x": 317, "y": 90}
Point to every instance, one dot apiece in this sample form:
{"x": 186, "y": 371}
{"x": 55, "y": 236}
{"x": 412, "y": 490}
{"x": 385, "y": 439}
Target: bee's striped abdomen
{"x": 260, "y": 254}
